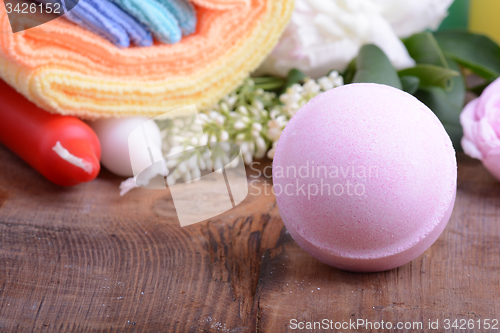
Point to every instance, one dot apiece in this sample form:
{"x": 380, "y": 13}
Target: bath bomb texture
{"x": 365, "y": 177}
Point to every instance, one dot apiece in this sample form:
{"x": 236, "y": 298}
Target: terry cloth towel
{"x": 66, "y": 69}
{"x": 221, "y": 4}
{"x": 107, "y": 20}
{"x": 168, "y": 20}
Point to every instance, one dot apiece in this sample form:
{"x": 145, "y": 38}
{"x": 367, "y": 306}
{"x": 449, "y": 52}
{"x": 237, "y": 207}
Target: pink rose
{"x": 481, "y": 123}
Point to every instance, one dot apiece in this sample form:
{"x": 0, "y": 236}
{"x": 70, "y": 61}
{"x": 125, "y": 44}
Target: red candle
{"x": 62, "y": 148}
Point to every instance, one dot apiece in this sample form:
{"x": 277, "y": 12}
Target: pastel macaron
{"x": 365, "y": 177}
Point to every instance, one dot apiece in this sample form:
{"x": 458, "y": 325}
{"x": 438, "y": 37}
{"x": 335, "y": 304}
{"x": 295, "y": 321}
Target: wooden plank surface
{"x": 86, "y": 259}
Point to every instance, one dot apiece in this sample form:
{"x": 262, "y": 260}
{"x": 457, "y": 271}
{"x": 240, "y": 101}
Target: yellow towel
{"x": 68, "y": 70}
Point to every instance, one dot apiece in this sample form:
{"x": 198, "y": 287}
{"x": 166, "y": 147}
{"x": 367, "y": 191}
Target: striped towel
{"x": 66, "y": 69}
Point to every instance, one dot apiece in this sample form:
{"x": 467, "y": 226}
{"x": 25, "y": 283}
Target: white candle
{"x": 113, "y": 134}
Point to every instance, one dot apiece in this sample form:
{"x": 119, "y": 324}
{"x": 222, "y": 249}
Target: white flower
{"x": 336, "y": 79}
{"x": 327, "y": 34}
{"x": 192, "y": 162}
{"x": 257, "y": 127}
{"x": 274, "y": 133}
{"x": 325, "y": 83}
{"x": 275, "y": 128}
{"x": 220, "y": 120}
{"x": 203, "y": 118}
{"x": 244, "y": 147}
{"x": 261, "y": 147}
{"x": 251, "y": 147}
{"x": 270, "y": 153}
{"x": 296, "y": 89}
{"x": 254, "y": 111}
{"x": 258, "y": 105}
{"x": 203, "y": 140}
{"x": 248, "y": 158}
{"x": 178, "y": 123}
{"x": 224, "y": 107}
{"x": 242, "y": 110}
{"x": 231, "y": 100}
{"x": 171, "y": 180}
{"x": 194, "y": 141}
{"x": 182, "y": 167}
{"x": 214, "y": 115}
{"x": 201, "y": 163}
{"x": 176, "y": 150}
{"x": 311, "y": 87}
{"x": 274, "y": 113}
{"x": 253, "y": 125}
{"x": 282, "y": 121}
{"x": 218, "y": 164}
{"x": 224, "y": 136}
{"x": 195, "y": 174}
{"x": 411, "y": 16}
{"x": 239, "y": 125}
{"x": 234, "y": 163}
{"x": 240, "y": 137}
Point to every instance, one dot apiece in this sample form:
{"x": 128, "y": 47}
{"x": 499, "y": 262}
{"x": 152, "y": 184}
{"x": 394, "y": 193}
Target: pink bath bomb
{"x": 365, "y": 177}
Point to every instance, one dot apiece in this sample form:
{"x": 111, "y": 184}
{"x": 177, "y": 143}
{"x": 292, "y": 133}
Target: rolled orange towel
{"x": 67, "y": 70}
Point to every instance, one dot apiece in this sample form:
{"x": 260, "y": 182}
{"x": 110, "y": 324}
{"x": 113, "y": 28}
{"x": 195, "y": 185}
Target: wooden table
{"x": 86, "y": 259}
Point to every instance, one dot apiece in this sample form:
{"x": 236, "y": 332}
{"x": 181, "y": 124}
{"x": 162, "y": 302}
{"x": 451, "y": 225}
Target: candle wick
{"x": 67, "y": 156}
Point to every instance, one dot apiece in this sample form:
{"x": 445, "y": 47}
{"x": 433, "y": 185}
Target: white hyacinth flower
{"x": 252, "y": 118}
{"x": 239, "y": 125}
{"x": 224, "y": 135}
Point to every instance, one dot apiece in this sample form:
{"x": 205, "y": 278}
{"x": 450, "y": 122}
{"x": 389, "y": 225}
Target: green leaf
{"x": 410, "y": 83}
{"x": 456, "y": 95}
{"x": 269, "y": 83}
{"x": 476, "y": 52}
{"x": 431, "y": 75}
{"x": 350, "y": 71}
{"x": 294, "y": 76}
{"x": 435, "y": 98}
{"x": 424, "y": 49}
{"x": 447, "y": 105}
{"x": 373, "y": 66}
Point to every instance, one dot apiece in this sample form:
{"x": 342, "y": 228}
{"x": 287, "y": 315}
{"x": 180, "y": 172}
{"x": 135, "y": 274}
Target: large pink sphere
{"x": 365, "y": 177}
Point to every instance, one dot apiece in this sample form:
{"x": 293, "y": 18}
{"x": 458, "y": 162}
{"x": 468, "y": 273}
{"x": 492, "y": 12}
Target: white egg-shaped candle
{"x": 113, "y": 133}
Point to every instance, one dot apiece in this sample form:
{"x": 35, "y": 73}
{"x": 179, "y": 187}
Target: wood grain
{"x": 84, "y": 259}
